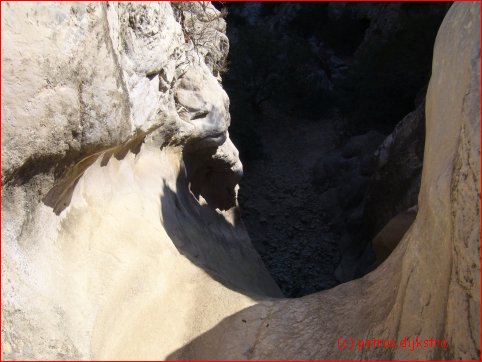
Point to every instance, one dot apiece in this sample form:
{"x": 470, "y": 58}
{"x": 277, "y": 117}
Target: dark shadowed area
{"x": 318, "y": 93}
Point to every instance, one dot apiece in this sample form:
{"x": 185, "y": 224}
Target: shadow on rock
{"x": 214, "y": 240}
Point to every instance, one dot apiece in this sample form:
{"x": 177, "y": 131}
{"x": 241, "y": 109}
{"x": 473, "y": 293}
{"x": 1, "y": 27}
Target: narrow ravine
{"x": 282, "y": 209}
{"x": 164, "y": 200}
{"x": 315, "y": 90}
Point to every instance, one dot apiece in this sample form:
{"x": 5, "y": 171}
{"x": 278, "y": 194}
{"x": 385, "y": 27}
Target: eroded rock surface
{"x": 121, "y": 238}
{"x": 430, "y": 285}
{"x": 116, "y": 155}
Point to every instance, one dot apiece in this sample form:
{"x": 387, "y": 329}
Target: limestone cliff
{"x": 430, "y": 285}
{"x": 121, "y": 237}
{"x": 118, "y": 181}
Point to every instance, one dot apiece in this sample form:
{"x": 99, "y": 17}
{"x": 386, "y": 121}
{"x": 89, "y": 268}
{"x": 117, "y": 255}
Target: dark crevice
{"x": 315, "y": 91}
{"x": 202, "y": 234}
{"x": 211, "y": 178}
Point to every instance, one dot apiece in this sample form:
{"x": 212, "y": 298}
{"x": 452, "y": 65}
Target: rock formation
{"x": 121, "y": 237}
{"x": 395, "y": 184}
{"x": 112, "y": 121}
{"x": 430, "y": 285}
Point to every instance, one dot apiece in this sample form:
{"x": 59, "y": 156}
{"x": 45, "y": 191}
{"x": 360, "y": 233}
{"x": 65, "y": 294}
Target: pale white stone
{"x": 132, "y": 266}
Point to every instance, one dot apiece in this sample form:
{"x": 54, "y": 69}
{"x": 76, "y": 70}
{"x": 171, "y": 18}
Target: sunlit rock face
{"x": 121, "y": 238}
{"x": 119, "y": 182}
{"x": 429, "y": 287}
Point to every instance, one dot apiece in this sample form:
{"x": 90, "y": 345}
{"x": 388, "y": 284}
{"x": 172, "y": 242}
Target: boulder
{"x": 362, "y": 144}
{"x": 395, "y": 184}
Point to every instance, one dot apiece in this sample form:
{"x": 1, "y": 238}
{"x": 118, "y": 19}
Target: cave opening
{"x": 327, "y": 111}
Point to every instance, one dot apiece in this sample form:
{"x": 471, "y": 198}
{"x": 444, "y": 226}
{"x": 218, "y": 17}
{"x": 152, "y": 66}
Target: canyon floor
{"x": 282, "y": 210}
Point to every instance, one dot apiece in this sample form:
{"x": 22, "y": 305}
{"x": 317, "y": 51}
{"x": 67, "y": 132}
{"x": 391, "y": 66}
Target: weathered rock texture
{"x": 120, "y": 233}
{"x": 111, "y": 114}
{"x": 430, "y": 285}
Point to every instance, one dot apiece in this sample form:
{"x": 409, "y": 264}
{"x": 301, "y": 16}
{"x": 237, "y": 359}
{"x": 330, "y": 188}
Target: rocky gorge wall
{"x": 111, "y": 116}
{"x": 121, "y": 238}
